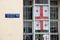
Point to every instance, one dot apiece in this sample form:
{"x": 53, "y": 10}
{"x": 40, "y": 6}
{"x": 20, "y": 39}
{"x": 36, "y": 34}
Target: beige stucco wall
{"x": 11, "y": 29}
{"x": 59, "y": 18}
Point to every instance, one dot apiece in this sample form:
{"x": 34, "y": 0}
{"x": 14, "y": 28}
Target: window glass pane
{"x": 28, "y": 2}
{"x": 54, "y": 29}
{"x": 53, "y": 13}
{"x": 27, "y": 27}
{"x": 54, "y": 26}
{"x": 41, "y": 1}
{"x": 41, "y": 37}
{"x": 27, "y": 37}
{"x": 53, "y": 3}
{"x": 54, "y": 37}
{"x": 27, "y": 24}
{"x": 27, "y": 13}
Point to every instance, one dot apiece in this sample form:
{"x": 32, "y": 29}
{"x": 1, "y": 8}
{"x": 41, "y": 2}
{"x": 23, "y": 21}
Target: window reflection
{"x": 41, "y": 1}
{"x": 27, "y": 27}
{"x": 28, "y": 2}
{"x": 54, "y": 26}
{"x": 54, "y": 37}
{"x": 53, "y": 13}
{"x": 27, "y": 13}
{"x": 27, "y": 37}
{"x": 41, "y": 37}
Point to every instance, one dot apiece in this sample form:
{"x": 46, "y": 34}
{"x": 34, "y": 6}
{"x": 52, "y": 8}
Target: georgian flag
{"x": 41, "y": 12}
{"x": 41, "y": 25}
{"x": 46, "y": 37}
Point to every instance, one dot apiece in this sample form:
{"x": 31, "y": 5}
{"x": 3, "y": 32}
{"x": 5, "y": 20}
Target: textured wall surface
{"x": 11, "y": 28}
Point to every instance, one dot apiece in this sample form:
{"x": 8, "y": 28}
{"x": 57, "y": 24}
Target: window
{"x": 41, "y": 1}
{"x": 53, "y": 13}
{"x": 53, "y": 3}
{"x": 27, "y": 37}
{"x": 54, "y": 9}
{"x": 41, "y": 37}
{"x": 27, "y": 24}
{"x": 54, "y": 37}
{"x": 54, "y": 26}
{"x": 28, "y": 2}
{"x": 27, "y": 16}
{"x": 27, "y": 13}
{"x": 54, "y": 20}
{"x": 27, "y": 27}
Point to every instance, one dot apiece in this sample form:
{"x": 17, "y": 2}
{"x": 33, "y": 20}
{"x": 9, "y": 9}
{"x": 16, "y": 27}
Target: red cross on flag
{"x": 46, "y": 37}
{"x": 41, "y": 12}
{"x": 41, "y": 25}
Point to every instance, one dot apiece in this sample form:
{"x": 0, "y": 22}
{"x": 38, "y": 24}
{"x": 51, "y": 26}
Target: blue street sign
{"x": 12, "y": 15}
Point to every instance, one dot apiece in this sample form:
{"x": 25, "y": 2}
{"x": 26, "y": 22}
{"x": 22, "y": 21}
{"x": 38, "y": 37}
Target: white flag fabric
{"x": 41, "y": 25}
{"x": 41, "y": 11}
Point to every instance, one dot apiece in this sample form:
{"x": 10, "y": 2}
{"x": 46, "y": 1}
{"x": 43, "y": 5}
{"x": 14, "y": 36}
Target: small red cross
{"x": 36, "y": 10}
{"x": 45, "y": 24}
{"x": 45, "y": 10}
{"x": 37, "y": 24}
